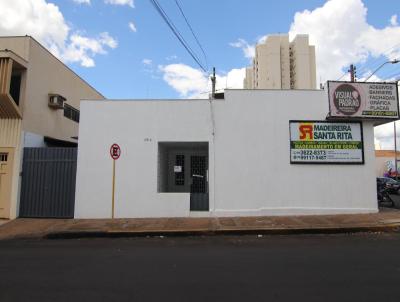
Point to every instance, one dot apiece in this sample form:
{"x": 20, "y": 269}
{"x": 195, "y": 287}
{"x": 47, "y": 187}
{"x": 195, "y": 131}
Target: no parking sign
{"x": 115, "y": 153}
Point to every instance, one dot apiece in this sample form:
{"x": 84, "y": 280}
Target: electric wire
{"x": 393, "y": 75}
{"x": 176, "y": 32}
{"x": 192, "y": 31}
{"x": 342, "y": 76}
{"x": 393, "y": 70}
{"x": 374, "y": 63}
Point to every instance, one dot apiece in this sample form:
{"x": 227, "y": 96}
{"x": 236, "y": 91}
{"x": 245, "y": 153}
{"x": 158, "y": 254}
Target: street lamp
{"x": 395, "y": 61}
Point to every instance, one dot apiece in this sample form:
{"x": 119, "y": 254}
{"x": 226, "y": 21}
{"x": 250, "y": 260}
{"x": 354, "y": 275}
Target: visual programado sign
{"x": 363, "y": 100}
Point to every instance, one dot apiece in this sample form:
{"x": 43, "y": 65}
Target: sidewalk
{"x": 386, "y": 220}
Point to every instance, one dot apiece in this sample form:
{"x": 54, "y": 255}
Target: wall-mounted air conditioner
{"x": 56, "y": 101}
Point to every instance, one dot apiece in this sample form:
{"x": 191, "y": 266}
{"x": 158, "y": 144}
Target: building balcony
{"x": 12, "y": 78}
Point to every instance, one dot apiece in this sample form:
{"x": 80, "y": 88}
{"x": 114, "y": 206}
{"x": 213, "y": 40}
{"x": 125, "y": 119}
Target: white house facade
{"x": 227, "y": 157}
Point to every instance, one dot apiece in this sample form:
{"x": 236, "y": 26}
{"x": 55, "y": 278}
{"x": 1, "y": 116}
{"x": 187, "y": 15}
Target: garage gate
{"x": 48, "y": 183}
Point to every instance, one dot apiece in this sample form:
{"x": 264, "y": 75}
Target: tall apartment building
{"x": 280, "y": 64}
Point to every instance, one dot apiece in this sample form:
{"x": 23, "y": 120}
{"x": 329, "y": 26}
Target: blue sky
{"x": 121, "y": 73}
{"x": 94, "y": 38}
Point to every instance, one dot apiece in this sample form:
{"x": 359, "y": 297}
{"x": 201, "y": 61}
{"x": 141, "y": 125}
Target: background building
{"x": 280, "y": 64}
{"x": 39, "y": 106}
{"x": 384, "y": 160}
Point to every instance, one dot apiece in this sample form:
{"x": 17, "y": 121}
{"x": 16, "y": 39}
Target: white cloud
{"x": 83, "y": 49}
{"x": 384, "y": 136}
{"x": 132, "y": 27}
{"x": 82, "y": 1}
{"x": 190, "y": 82}
{"x": 147, "y": 61}
{"x": 106, "y": 39}
{"x": 120, "y": 2}
{"x": 342, "y": 35}
{"x": 248, "y": 50}
{"x": 233, "y": 79}
{"x": 46, "y": 23}
{"x": 393, "y": 20}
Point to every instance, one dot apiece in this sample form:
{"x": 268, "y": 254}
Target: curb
{"x": 206, "y": 232}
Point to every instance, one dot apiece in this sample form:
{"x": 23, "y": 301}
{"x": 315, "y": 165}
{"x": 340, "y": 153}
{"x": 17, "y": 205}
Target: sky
{"x": 125, "y": 50}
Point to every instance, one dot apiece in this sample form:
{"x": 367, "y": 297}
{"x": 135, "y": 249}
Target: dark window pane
{"x": 180, "y": 176}
{"x": 71, "y": 113}
{"x": 15, "y": 87}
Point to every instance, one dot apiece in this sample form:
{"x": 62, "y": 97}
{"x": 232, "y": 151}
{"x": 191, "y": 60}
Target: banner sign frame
{"x": 324, "y": 151}
{"x": 363, "y": 100}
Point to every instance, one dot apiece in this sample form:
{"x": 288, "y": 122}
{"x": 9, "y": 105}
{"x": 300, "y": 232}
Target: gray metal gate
{"x": 48, "y": 182}
{"x": 199, "y": 186}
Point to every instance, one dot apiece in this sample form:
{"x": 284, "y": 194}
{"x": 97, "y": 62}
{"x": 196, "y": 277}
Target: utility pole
{"x": 213, "y": 81}
{"x": 352, "y": 71}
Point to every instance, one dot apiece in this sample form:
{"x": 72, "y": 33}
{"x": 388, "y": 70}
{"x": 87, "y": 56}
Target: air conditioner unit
{"x": 56, "y": 101}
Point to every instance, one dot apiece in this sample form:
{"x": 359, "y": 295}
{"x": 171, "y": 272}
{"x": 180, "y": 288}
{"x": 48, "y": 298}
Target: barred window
{"x": 71, "y": 113}
{"x": 180, "y": 176}
{"x": 3, "y": 157}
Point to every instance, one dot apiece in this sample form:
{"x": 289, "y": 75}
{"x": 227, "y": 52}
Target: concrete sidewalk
{"x": 386, "y": 220}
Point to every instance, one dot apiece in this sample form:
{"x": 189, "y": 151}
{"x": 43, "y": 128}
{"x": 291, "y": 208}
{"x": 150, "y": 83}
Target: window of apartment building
{"x": 71, "y": 113}
{"x": 15, "y": 86}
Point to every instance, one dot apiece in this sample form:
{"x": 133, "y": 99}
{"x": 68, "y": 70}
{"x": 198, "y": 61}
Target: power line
{"x": 393, "y": 75}
{"x": 176, "y": 32}
{"x": 191, "y": 29}
{"x": 374, "y": 63}
{"x": 342, "y": 76}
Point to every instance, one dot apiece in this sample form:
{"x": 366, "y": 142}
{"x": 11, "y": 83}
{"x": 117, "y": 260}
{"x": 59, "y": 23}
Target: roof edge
{"x": 44, "y": 48}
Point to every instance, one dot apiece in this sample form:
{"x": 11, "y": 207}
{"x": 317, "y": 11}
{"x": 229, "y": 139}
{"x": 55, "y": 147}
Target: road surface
{"x": 346, "y": 267}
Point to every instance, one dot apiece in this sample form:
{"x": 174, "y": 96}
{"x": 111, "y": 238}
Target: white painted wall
{"x": 250, "y": 171}
{"x": 253, "y": 171}
{"x": 137, "y": 126}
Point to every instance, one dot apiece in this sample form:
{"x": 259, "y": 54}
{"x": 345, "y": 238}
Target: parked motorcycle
{"x": 384, "y": 190}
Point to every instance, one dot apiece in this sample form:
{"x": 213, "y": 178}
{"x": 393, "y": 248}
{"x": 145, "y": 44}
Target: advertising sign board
{"x": 325, "y": 142}
{"x": 363, "y": 100}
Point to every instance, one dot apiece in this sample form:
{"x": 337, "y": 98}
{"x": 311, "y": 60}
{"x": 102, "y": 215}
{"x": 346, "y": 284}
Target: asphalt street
{"x": 347, "y": 267}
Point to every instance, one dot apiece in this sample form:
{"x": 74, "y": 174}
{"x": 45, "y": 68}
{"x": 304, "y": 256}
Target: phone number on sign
{"x": 313, "y": 152}
{"x": 310, "y": 155}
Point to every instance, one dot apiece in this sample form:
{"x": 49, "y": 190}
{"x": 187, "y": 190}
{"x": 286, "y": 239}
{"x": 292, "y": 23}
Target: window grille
{"x": 180, "y": 176}
{"x": 71, "y": 113}
{"x": 3, "y": 157}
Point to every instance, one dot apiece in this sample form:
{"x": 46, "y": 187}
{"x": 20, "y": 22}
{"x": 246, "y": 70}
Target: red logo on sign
{"x": 115, "y": 151}
{"x": 306, "y": 132}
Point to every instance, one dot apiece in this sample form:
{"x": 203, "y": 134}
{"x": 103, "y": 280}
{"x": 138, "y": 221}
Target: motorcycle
{"x": 384, "y": 196}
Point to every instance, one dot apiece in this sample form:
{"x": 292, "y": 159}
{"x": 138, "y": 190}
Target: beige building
{"x": 39, "y": 107}
{"x": 280, "y": 64}
{"x": 384, "y": 160}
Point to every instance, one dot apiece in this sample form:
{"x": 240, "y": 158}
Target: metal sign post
{"x": 115, "y": 152}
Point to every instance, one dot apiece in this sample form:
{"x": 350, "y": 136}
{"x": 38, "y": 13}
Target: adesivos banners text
{"x": 363, "y": 100}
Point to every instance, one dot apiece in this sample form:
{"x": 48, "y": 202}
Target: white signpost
{"x": 363, "y": 100}
{"x": 324, "y": 142}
